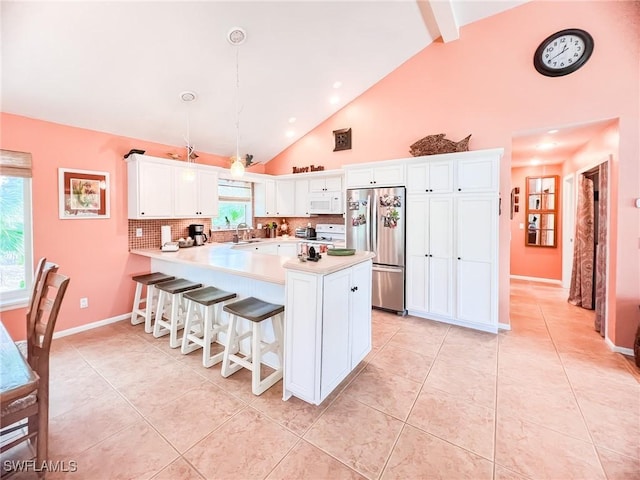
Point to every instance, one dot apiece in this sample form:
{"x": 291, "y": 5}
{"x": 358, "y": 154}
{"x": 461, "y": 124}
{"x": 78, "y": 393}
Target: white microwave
{"x": 325, "y": 202}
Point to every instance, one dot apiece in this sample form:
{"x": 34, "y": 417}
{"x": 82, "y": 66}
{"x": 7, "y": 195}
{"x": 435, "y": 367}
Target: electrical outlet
{"x": 522, "y": 226}
{"x": 138, "y": 232}
{"x": 84, "y": 302}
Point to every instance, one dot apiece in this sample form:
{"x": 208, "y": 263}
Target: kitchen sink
{"x": 244, "y": 242}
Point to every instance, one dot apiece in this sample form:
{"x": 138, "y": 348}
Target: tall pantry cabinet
{"x": 452, "y": 238}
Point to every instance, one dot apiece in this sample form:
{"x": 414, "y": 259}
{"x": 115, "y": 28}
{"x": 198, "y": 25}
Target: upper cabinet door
{"x": 185, "y": 192}
{"x": 285, "y": 197}
{"x": 208, "y": 193}
{"x": 361, "y": 177}
{"x": 478, "y": 175}
{"x": 317, "y": 185}
{"x": 333, "y": 184}
{"x": 301, "y": 198}
{"x": 430, "y": 177}
{"x": 155, "y": 190}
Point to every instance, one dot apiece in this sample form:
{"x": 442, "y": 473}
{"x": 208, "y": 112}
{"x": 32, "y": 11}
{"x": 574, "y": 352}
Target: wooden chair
{"x": 47, "y": 294}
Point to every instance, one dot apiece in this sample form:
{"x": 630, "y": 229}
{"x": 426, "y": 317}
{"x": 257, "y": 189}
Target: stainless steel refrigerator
{"x": 376, "y": 222}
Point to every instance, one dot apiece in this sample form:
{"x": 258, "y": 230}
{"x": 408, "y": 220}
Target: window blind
{"x": 15, "y": 164}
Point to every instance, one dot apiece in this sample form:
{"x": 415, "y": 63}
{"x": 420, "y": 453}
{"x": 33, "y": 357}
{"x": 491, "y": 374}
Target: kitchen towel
{"x": 165, "y": 234}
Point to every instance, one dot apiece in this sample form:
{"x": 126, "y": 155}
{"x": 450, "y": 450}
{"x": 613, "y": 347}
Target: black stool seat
{"x": 208, "y": 296}
{"x": 178, "y": 285}
{"x": 152, "y": 278}
{"x": 253, "y": 309}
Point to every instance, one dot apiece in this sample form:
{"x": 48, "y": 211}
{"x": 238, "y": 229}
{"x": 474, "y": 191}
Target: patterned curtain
{"x": 601, "y": 254}
{"x": 581, "y": 289}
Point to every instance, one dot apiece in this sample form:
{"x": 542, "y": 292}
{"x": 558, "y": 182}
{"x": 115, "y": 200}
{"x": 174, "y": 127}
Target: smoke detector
{"x": 188, "y": 96}
{"x": 237, "y": 36}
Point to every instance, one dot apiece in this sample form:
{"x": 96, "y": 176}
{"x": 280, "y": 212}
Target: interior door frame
{"x": 568, "y": 226}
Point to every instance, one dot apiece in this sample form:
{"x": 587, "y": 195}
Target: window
{"x": 234, "y": 204}
{"x": 16, "y": 256}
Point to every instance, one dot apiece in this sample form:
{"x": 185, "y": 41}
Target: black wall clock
{"x": 563, "y": 52}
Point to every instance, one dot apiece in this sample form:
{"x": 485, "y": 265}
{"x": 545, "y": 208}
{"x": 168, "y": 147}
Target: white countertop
{"x": 248, "y": 263}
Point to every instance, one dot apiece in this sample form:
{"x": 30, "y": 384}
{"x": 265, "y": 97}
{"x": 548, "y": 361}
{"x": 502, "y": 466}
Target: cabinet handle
{"x": 353, "y": 289}
{"x": 459, "y": 189}
{"x": 141, "y": 213}
{"x": 430, "y": 255}
{"x": 459, "y": 258}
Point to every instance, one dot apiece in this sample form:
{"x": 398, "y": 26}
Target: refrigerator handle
{"x": 374, "y": 224}
{"x": 369, "y": 226}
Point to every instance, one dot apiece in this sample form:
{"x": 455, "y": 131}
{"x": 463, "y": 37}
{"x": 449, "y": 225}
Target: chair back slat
{"x": 51, "y": 291}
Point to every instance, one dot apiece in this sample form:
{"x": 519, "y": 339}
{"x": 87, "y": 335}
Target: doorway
{"x": 590, "y": 256}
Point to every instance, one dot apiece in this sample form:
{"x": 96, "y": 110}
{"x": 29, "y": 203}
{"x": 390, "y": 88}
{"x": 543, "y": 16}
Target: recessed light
{"x": 188, "y": 96}
{"x": 551, "y": 132}
{"x": 535, "y": 161}
{"x": 292, "y": 119}
{"x": 545, "y": 146}
{"x": 337, "y": 84}
{"x": 334, "y": 100}
{"x": 290, "y": 133}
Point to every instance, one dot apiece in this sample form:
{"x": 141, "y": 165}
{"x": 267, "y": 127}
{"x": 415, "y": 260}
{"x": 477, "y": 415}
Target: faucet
{"x": 244, "y": 227}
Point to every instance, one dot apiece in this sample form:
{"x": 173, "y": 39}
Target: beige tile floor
{"x": 546, "y": 400}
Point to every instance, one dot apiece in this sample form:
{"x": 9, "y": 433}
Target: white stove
{"x": 330, "y": 233}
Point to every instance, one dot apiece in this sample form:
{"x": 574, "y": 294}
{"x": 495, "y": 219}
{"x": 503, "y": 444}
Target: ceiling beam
{"x": 445, "y": 19}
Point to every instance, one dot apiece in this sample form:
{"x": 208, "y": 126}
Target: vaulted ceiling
{"x": 120, "y": 66}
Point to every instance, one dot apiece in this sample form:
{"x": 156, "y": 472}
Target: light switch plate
{"x": 138, "y": 232}
{"x": 522, "y": 226}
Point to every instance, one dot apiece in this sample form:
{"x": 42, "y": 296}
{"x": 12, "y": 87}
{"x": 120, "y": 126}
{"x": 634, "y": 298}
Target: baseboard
{"x": 504, "y": 326}
{"x": 617, "y": 349}
{"x": 536, "y": 279}
{"x": 89, "y": 326}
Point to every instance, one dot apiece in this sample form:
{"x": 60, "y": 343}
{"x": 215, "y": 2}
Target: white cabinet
{"x": 477, "y": 251}
{"x": 430, "y": 177}
{"x": 160, "y": 188}
{"x": 195, "y": 192}
{"x": 274, "y": 197}
{"x": 285, "y": 249}
{"x": 480, "y": 174}
{"x": 150, "y": 189}
{"x": 301, "y": 198}
{"x": 375, "y": 176}
{"x": 327, "y": 329}
{"x": 430, "y": 255}
{"x": 452, "y": 238}
{"x": 326, "y": 184}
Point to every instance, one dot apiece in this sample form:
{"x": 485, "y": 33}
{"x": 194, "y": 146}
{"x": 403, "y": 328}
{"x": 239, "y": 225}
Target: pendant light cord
{"x": 237, "y": 105}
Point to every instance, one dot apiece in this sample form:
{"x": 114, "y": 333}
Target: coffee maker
{"x": 196, "y": 231}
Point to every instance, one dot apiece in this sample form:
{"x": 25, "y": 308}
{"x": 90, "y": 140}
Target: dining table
{"x": 17, "y": 378}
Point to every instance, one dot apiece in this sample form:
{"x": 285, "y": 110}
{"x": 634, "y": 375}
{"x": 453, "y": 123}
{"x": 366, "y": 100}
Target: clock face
{"x": 563, "y": 52}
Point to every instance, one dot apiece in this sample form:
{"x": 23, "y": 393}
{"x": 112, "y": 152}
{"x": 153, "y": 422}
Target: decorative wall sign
{"x": 310, "y": 168}
{"x": 83, "y": 194}
{"x": 342, "y": 139}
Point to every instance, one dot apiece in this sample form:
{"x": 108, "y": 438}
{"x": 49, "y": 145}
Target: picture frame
{"x": 83, "y": 194}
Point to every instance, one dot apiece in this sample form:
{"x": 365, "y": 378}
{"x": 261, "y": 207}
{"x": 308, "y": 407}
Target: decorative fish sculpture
{"x": 434, "y": 144}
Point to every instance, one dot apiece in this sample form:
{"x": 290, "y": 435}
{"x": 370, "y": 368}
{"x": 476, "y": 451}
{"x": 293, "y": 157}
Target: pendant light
{"x": 236, "y": 37}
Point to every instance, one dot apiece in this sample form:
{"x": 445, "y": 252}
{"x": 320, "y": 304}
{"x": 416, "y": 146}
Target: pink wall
{"x": 93, "y": 252}
{"x": 485, "y": 84}
{"x": 542, "y": 262}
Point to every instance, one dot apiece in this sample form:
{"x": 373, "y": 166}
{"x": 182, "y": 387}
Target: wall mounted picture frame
{"x": 83, "y": 194}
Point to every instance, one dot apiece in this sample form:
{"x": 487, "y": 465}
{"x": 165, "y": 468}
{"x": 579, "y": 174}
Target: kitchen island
{"x": 327, "y": 324}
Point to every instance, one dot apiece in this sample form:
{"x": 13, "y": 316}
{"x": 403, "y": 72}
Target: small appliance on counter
{"x": 196, "y": 231}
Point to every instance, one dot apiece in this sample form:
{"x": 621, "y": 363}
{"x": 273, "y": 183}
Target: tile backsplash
{"x": 180, "y": 228}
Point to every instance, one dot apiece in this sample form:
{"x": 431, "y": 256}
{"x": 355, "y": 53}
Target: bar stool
{"x": 204, "y": 321}
{"x": 150, "y": 280}
{"x": 171, "y": 292}
{"x": 256, "y": 311}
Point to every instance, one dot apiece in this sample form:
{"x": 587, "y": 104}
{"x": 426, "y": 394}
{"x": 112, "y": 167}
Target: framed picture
{"x": 83, "y": 194}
